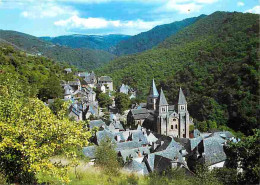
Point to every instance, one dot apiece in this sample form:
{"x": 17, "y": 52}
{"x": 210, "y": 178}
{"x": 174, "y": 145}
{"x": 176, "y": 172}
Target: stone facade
{"x": 161, "y": 117}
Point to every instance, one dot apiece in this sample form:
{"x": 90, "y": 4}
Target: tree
{"x": 30, "y": 134}
{"x": 245, "y": 155}
{"x": 122, "y": 102}
{"x": 106, "y": 156}
{"x": 212, "y": 125}
{"x": 104, "y": 100}
{"x": 51, "y": 89}
{"x": 57, "y": 105}
{"x": 202, "y": 126}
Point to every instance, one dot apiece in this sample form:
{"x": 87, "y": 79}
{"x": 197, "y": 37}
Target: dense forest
{"x": 214, "y": 60}
{"x": 37, "y": 76}
{"x": 100, "y": 42}
{"x": 86, "y": 59}
{"x": 147, "y": 40}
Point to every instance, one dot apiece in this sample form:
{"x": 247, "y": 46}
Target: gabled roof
{"x": 214, "y": 152}
{"x": 96, "y": 123}
{"x": 162, "y": 100}
{"x": 153, "y": 91}
{"x": 182, "y": 99}
{"x": 105, "y": 78}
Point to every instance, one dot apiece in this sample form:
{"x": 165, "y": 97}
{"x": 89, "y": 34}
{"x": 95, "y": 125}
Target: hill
{"x": 151, "y": 38}
{"x": 214, "y": 60}
{"x": 81, "y": 58}
{"x": 97, "y": 42}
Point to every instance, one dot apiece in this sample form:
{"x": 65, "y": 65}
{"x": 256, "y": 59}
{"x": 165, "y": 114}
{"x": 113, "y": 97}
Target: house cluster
{"x": 82, "y": 96}
{"x": 144, "y": 151}
{"x": 161, "y": 139}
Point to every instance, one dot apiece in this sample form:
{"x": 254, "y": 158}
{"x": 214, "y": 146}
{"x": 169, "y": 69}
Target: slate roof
{"x": 89, "y": 151}
{"x": 171, "y": 153}
{"x": 117, "y": 125}
{"x": 105, "y": 79}
{"x": 214, "y": 151}
{"x": 140, "y": 113}
{"x": 128, "y": 145}
{"x": 135, "y": 166}
{"x": 153, "y": 91}
{"x": 103, "y": 134}
{"x": 195, "y": 142}
{"x": 182, "y": 99}
{"x": 96, "y": 123}
{"x": 151, "y": 138}
{"x": 196, "y": 133}
{"x": 162, "y": 100}
{"x": 134, "y": 152}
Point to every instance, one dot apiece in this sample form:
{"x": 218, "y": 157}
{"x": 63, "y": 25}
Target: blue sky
{"x": 64, "y": 17}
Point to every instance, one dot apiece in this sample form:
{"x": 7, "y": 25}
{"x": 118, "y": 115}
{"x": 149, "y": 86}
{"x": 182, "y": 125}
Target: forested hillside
{"x": 151, "y": 38}
{"x": 214, "y": 60}
{"x": 82, "y": 58}
{"x": 38, "y": 76}
{"x": 100, "y": 42}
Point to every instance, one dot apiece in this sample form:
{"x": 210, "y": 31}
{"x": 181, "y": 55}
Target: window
{"x": 171, "y": 126}
{"x": 182, "y": 107}
{"x": 174, "y": 120}
{"x": 163, "y": 109}
{"x": 176, "y": 126}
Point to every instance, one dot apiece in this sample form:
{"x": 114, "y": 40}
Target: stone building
{"x": 106, "y": 81}
{"x": 161, "y": 117}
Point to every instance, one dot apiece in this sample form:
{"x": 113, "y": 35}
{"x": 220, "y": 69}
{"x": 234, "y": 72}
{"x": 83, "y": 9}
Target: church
{"x": 158, "y": 116}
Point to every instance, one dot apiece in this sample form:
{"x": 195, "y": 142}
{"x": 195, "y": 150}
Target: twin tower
{"x": 168, "y": 120}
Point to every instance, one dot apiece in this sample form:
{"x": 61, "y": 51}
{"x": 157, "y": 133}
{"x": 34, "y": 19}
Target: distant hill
{"x": 214, "y": 60}
{"x": 100, "y": 42}
{"x": 82, "y": 58}
{"x": 149, "y": 39}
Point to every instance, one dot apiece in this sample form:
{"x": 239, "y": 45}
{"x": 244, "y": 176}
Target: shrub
{"x": 106, "y": 156}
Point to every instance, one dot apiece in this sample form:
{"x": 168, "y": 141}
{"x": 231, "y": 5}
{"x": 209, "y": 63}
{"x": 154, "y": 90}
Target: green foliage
{"x": 191, "y": 128}
{"x": 212, "y": 125}
{"x": 226, "y": 175}
{"x": 204, "y": 176}
{"x": 87, "y": 41}
{"x": 30, "y": 134}
{"x": 51, "y": 89}
{"x": 104, "y": 100}
{"x": 202, "y": 126}
{"x": 151, "y": 38}
{"x": 215, "y": 62}
{"x": 106, "y": 157}
{"x": 122, "y": 102}
{"x": 245, "y": 155}
{"x": 56, "y": 106}
{"x": 39, "y": 76}
{"x": 81, "y": 57}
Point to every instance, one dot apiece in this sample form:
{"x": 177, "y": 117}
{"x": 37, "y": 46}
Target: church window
{"x": 176, "y": 126}
{"x": 163, "y": 109}
{"x": 171, "y": 126}
{"x": 182, "y": 107}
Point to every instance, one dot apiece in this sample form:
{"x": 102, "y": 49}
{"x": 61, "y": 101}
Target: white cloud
{"x": 101, "y": 23}
{"x": 255, "y": 10}
{"x": 47, "y": 10}
{"x": 240, "y": 3}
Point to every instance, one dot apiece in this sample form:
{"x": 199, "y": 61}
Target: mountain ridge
{"x": 87, "y": 59}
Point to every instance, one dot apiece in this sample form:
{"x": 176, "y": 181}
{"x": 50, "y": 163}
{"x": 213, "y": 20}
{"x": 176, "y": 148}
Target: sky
{"x": 102, "y": 17}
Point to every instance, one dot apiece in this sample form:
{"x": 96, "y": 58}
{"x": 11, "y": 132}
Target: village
{"x": 151, "y": 136}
